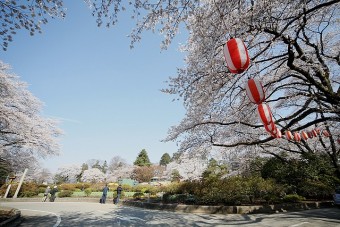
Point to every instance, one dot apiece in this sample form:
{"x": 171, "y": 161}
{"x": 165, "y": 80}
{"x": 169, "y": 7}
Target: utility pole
{"x": 20, "y": 183}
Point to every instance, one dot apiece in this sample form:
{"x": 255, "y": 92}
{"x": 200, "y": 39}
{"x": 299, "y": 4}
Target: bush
{"x": 293, "y": 198}
{"x": 28, "y": 194}
{"x": 42, "y": 189}
{"x": 29, "y": 189}
{"x": 82, "y": 186}
{"x": 65, "y": 193}
{"x": 88, "y": 192}
{"x": 138, "y": 195}
{"x": 126, "y": 187}
{"x": 68, "y": 187}
{"x": 179, "y": 198}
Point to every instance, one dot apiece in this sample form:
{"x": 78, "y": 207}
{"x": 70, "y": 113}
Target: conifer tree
{"x": 142, "y": 159}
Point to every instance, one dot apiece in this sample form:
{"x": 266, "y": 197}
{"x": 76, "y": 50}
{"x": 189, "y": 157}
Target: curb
{"x": 14, "y": 216}
{"x": 66, "y": 199}
{"x": 261, "y": 209}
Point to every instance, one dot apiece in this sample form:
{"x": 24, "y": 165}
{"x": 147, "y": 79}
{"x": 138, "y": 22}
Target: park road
{"x": 39, "y": 214}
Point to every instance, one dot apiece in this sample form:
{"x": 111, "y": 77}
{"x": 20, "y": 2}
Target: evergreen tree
{"x": 175, "y": 156}
{"x": 165, "y": 159}
{"x": 84, "y": 167}
{"x": 214, "y": 171}
{"x": 142, "y": 159}
{"x": 104, "y": 167}
{"x": 97, "y": 165}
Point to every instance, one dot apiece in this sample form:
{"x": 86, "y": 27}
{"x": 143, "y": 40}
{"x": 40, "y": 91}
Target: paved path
{"x": 38, "y": 214}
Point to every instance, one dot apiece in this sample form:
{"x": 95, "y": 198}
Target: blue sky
{"x": 106, "y": 95}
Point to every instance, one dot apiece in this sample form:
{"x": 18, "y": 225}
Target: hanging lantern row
{"x": 237, "y": 59}
{"x": 306, "y": 135}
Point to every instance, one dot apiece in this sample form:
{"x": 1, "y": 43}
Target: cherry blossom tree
{"x": 116, "y": 163}
{"x": 189, "y": 166}
{"x": 93, "y": 175}
{"x": 124, "y": 171}
{"x": 39, "y": 175}
{"x": 25, "y": 135}
{"x": 28, "y": 15}
{"x": 294, "y": 50}
{"x": 70, "y": 173}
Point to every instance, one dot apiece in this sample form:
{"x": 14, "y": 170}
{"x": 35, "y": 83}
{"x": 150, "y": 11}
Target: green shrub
{"x": 178, "y": 198}
{"x": 88, "y": 192}
{"x": 138, "y": 195}
{"x": 28, "y": 194}
{"x": 293, "y": 198}
{"x": 42, "y": 189}
{"x": 126, "y": 187}
{"x": 29, "y": 189}
{"x": 65, "y": 193}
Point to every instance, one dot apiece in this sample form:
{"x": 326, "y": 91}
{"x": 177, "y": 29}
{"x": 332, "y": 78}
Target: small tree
{"x": 142, "y": 159}
{"x": 214, "y": 171}
{"x": 165, "y": 159}
{"x": 142, "y": 173}
{"x": 175, "y": 176}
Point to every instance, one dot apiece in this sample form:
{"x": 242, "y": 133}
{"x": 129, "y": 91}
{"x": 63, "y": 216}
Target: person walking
{"x": 53, "y": 193}
{"x": 119, "y": 192}
{"x": 47, "y": 191}
{"x": 105, "y": 191}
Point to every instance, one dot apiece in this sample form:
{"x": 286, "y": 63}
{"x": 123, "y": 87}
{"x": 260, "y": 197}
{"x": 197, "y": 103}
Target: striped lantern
{"x": 255, "y": 92}
{"x": 310, "y": 135}
{"x": 325, "y": 133}
{"x": 289, "y": 135}
{"x": 304, "y": 135}
{"x": 297, "y": 137}
{"x": 271, "y": 129}
{"x": 315, "y": 133}
{"x": 236, "y": 55}
{"x": 266, "y": 116}
{"x": 278, "y": 133}
{"x": 318, "y": 131}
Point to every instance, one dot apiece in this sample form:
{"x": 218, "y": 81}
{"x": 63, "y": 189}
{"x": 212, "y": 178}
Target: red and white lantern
{"x": 297, "y": 137}
{"x": 310, "y": 135}
{"x": 318, "y": 131}
{"x": 266, "y": 116}
{"x": 255, "y": 92}
{"x": 315, "y": 133}
{"x": 325, "y": 133}
{"x": 271, "y": 129}
{"x": 304, "y": 136}
{"x": 289, "y": 135}
{"x": 236, "y": 55}
{"x": 278, "y": 134}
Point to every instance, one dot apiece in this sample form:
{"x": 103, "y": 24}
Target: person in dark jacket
{"x": 119, "y": 193}
{"x": 53, "y": 193}
{"x": 105, "y": 191}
